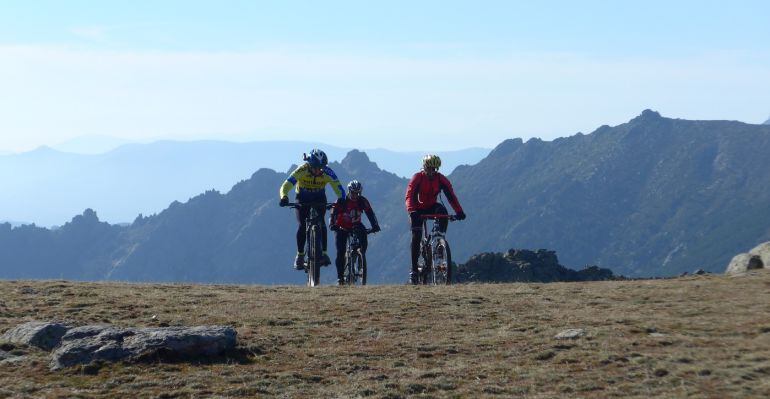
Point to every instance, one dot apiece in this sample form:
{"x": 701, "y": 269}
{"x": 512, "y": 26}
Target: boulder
{"x": 572, "y": 333}
{"x": 44, "y": 335}
{"x": 83, "y": 345}
{"x": 757, "y": 258}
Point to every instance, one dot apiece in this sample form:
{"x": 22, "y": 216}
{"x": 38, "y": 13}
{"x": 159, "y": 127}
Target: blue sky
{"x": 396, "y": 74}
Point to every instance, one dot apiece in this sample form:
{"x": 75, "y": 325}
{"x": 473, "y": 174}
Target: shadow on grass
{"x": 238, "y": 355}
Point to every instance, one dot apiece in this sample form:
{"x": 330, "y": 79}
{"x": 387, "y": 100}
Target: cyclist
{"x": 310, "y": 180}
{"x": 421, "y": 199}
{"x": 346, "y": 218}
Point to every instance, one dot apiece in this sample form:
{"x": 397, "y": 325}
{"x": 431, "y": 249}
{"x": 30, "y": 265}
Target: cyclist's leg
{"x": 416, "y": 225}
{"x": 340, "y": 241}
{"x": 324, "y": 242}
{"x": 440, "y": 209}
{"x": 301, "y": 213}
{"x": 362, "y": 238}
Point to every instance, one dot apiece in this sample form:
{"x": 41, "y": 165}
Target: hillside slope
{"x": 654, "y": 196}
{"x": 691, "y": 337}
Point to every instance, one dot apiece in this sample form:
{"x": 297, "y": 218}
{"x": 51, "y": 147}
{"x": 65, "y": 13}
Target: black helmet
{"x": 355, "y": 186}
{"x": 317, "y": 158}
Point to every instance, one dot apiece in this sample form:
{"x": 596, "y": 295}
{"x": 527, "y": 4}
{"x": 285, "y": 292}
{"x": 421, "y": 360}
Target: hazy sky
{"x": 396, "y": 74}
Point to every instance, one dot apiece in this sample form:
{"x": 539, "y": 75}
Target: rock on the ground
{"x": 757, "y": 258}
{"x": 572, "y": 333}
{"x": 44, "y": 335}
{"x": 14, "y": 360}
{"x": 4, "y": 355}
{"x": 83, "y": 345}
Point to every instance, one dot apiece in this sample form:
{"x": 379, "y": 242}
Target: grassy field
{"x": 700, "y": 336}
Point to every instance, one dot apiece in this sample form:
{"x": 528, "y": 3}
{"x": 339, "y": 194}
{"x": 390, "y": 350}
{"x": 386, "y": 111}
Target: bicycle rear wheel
{"x": 442, "y": 263}
{"x": 314, "y": 258}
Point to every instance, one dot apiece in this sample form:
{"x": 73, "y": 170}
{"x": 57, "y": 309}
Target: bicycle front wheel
{"x": 442, "y": 263}
{"x": 361, "y": 268}
{"x": 424, "y": 263}
{"x": 350, "y": 267}
{"x": 314, "y": 258}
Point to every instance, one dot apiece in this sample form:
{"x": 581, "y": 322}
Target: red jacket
{"x": 347, "y": 213}
{"x": 422, "y": 192}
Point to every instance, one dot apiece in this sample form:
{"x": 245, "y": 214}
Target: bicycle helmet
{"x": 355, "y": 186}
{"x": 431, "y": 161}
{"x": 317, "y": 158}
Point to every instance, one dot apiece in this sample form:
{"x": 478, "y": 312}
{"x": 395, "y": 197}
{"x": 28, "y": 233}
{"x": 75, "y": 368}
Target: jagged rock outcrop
{"x": 519, "y": 265}
{"x": 757, "y": 258}
{"x": 44, "y": 335}
{"x": 83, "y": 345}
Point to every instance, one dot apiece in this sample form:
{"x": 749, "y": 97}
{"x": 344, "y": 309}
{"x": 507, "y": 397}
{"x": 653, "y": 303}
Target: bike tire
{"x": 350, "y": 264}
{"x": 314, "y": 258}
{"x": 424, "y": 263}
{"x": 443, "y": 272}
{"x": 362, "y": 266}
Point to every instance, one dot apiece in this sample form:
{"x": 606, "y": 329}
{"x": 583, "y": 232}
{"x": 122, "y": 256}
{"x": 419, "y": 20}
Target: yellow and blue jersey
{"x": 311, "y": 188}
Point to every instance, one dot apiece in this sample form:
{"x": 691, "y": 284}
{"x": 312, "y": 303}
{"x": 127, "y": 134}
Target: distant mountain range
{"x": 92, "y": 144}
{"x": 47, "y": 186}
{"x": 652, "y": 197}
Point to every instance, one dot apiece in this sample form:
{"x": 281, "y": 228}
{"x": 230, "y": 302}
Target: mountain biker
{"x": 421, "y": 199}
{"x": 310, "y": 180}
{"x": 346, "y": 219}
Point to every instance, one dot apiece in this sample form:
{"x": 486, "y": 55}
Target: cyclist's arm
{"x": 446, "y": 187}
{"x": 335, "y": 212}
{"x": 287, "y": 185}
{"x": 335, "y": 183}
{"x": 370, "y": 212}
{"x": 411, "y": 191}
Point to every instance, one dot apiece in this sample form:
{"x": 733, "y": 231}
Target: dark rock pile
{"x": 520, "y": 265}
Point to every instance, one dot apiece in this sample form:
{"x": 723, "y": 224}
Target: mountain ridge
{"x": 651, "y": 197}
{"x": 144, "y": 178}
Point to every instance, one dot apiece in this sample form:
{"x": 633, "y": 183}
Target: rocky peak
{"x": 647, "y": 115}
{"x": 88, "y": 217}
{"x": 357, "y": 161}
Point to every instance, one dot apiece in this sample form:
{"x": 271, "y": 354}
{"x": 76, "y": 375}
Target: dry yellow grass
{"x": 701, "y": 336}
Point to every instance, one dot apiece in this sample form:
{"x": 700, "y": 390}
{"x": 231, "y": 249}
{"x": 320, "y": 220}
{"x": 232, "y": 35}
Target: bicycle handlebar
{"x": 368, "y": 231}
{"x": 439, "y": 216}
{"x": 296, "y": 205}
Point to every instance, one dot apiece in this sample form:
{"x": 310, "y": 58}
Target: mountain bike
{"x": 434, "y": 265}
{"x": 314, "y": 224}
{"x": 355, "y": 258}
